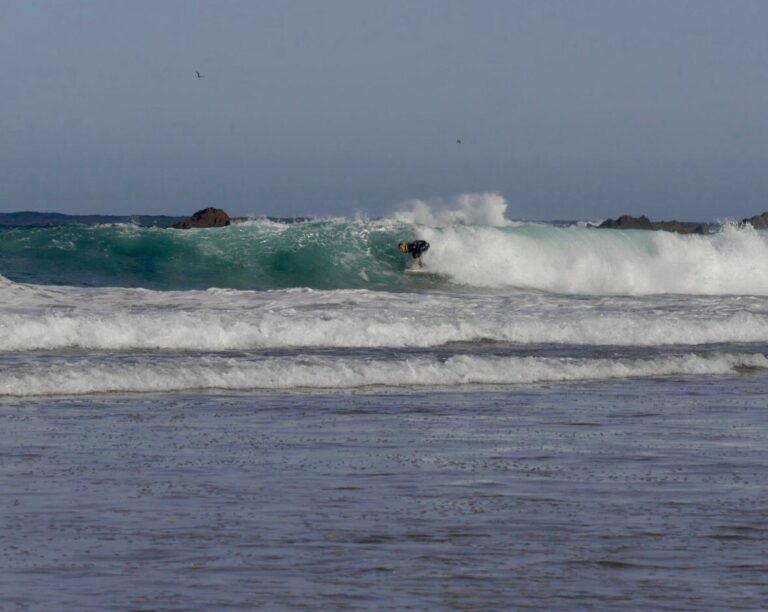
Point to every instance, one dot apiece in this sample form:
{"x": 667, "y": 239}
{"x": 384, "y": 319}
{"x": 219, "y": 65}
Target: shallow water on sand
{"x": 638, "y": 494}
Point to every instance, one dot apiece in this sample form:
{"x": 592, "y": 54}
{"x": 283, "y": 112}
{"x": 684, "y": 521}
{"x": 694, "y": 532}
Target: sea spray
{"x": 482, "y": 209}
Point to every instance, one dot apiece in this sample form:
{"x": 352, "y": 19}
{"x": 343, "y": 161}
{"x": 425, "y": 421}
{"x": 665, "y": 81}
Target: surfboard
{"x": 417, "y": 271}
{"x": 424, "y": 271}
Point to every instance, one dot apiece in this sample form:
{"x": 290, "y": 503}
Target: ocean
{"x": 274, "y": 414}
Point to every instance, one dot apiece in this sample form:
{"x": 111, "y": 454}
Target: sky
{"x": 569, "y": 110}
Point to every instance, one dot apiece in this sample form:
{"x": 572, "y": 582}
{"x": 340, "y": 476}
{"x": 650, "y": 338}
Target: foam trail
{"x": 33, "y": 318}
{"x": 214, "y": 332}
{"x": 149, "y": 374}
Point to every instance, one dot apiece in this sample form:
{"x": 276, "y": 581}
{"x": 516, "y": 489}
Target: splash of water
{"x": 481, "y": 209}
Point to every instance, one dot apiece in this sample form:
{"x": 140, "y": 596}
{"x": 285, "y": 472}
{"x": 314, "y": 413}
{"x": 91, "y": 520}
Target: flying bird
{"x": 458, "y": 141}
{"x": 199, "y": 76}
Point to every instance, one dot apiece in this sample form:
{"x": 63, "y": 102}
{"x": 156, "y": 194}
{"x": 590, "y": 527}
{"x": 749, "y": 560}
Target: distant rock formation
{"x": 208, "y": 217}
{"x": 758, "y": 221}
{"x": 644, "y": 223}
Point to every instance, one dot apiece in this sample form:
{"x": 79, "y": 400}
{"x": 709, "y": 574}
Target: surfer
{"x": 415, "y": 248}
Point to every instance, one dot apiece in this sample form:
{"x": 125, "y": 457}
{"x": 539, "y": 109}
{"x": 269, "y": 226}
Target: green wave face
{"x": 259, "y": 256}
{"x": 352, "y": 254}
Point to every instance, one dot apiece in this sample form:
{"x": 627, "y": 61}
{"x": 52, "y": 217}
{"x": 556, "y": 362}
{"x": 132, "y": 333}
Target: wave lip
{"x": 146, "y": 375}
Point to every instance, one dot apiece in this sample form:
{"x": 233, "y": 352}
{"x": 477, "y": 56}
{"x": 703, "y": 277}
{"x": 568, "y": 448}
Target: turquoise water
{"x": 261, "y": 256}
{"x": 362, "y": 254}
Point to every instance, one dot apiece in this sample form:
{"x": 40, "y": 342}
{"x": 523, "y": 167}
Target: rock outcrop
{"x": 758, "y": 221}
{"x": 644, "y": 223}
{"x": 208, "y": 217}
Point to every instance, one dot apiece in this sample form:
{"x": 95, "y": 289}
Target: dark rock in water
{"x": 644, "y": 223}
{"x": 627, "y": 222}
{"x": 208, "y": 217}
{"x": 758, "y": 221}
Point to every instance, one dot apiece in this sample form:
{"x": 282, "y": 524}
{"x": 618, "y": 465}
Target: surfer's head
{"x": 403, "y": 246}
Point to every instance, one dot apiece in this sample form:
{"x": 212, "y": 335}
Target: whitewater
{"x": 134, "y": 309}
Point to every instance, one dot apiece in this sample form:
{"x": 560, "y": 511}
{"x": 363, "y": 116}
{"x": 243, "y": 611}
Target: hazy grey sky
{"x": 570, "y": 109}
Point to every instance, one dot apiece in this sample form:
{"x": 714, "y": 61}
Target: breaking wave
{"x": 474, "y": 245}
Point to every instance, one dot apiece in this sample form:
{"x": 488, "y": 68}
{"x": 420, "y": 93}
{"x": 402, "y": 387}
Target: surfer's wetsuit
{"x": 417, "y": 247}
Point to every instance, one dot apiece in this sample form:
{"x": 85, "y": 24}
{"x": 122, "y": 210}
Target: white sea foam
{"x": 147, "y": 374}
{"x": 45, "y": 318}
{"x": 473, "y": 243}
{"x": 601, "y": 262}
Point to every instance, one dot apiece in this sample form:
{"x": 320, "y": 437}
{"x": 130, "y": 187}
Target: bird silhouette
{"x": 458, "y": 141}
{"x": 199, "y": 76}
